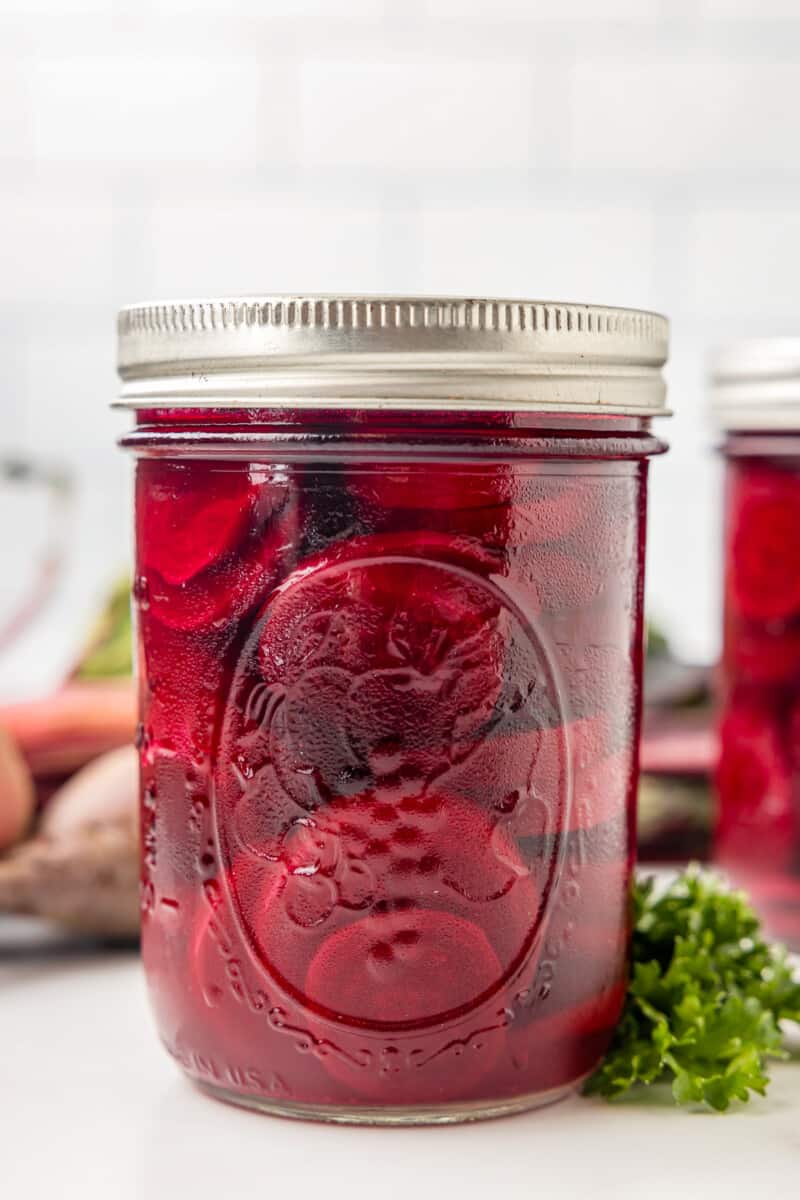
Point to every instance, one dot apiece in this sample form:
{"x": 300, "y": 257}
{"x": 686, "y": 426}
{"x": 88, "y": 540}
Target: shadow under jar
{"x": 388, "y": 593}
{"x": 756, "y": 401}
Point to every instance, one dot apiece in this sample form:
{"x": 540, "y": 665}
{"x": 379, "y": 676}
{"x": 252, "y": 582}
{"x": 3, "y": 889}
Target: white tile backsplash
{"x": 750, "y": 10}
{"x": 415, "y": 115}
{"x": 67, "y": 382}
{"x": 746, "y": 261}
{"x": 16, "y": 116}
{"x": 353, "y": 10}
{"x": 277, "y": 244}
{"x": 636, "y": 151}
{"x": 133, "y": 113}
{"x": 55, "y": 252}
{"x": 69, "y": 8}
{"x": 675, "y": 113}
{"x": 595, "y": 254}
{"x": 545, "y": 11}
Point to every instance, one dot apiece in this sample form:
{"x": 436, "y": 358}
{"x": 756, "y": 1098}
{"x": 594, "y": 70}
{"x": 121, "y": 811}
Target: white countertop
{"x": 90, "y": 1107}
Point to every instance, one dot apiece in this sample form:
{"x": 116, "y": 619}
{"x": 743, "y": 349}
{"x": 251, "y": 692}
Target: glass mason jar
{"x": 756, "y": 401}
{"x": 388, "y": 592}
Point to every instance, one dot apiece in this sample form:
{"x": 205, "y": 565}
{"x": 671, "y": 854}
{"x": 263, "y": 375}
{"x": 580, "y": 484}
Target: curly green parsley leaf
{"x": 705, "y": 997}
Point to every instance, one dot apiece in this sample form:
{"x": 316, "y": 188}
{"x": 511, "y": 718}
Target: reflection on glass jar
{"x": 390, "y": 664}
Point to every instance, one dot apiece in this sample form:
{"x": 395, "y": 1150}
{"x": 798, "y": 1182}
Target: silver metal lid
{"x": 755, "y": 384}
{"x": 392, "y": 352}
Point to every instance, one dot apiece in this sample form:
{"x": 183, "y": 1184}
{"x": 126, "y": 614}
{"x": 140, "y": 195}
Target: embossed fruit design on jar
{"x": 388, "y": 592}
{"x": 757, "y": 401}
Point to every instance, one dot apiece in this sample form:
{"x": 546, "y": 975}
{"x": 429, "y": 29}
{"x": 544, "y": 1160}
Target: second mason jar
{"x": 756, "y": 401}
{"x": 389, "y": 601}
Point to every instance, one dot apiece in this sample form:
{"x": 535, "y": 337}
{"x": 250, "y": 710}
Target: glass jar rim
{"x": 388, "y": 352}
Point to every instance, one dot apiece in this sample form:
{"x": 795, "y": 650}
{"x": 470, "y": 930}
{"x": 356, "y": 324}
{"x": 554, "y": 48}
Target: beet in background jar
{"x": 389, "y": 604}
{"x": 756, "y": 400}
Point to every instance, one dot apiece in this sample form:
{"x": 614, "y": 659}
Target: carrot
{"x": 17, "y": 797}
{"x": 62, "y": 732}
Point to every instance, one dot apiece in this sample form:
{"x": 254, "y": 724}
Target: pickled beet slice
{"x": 402, "y": 966}
{"x": 428, "y": 859}
{"x": 501, "y": 504}
{"x": 534, "y": 507}
{"x": 437, "y": 487}
{"x": 386, "y": 656}
{"x": 227, "y": 994}
{"x": 584, "y": 955}
{"x": 329, "y": 513}
{"x": 433, "y": 848}
{"x": 217, "y": 596}
{"x": 566, "y": 1046}
{"x": 764, "y": 553}
{"x": 353, "y": 855}
{"x": 756, "y": 822}
{"x": 186, "y": 946}
{"x": 181, "y": 674}
{"x": 762, "y": 654}
{"x": 211, "y": 942}
{"x": 230, "y": 587}
{"x": 587, "y": 932}
{"x": 524, "y": 776}
{"x": 424, "y": 943}
{"x": 793, "y": 738}
{"x": 376, "y": 578}
{"x": 190, "y": 515}
{"x": 407, "y": 968}
{"x": 600, "y": 1012}
{"x": 575, "y": 534}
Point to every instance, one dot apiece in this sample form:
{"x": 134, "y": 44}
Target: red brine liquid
{"x": 389, "y": 717}
{"x": 758, "y": 780}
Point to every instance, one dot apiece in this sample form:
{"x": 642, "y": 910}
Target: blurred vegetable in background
{"x": 109, "y": 651}
{"x": 58, "y": 734}
{"x": 68, "y": 779}
{"x": 677, "y": 755}
{"x": 17, "y": 797}
{"x": 81, "y": 866}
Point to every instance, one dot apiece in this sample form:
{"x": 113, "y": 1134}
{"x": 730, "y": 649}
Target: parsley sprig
{"x": 705, "y": 998}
